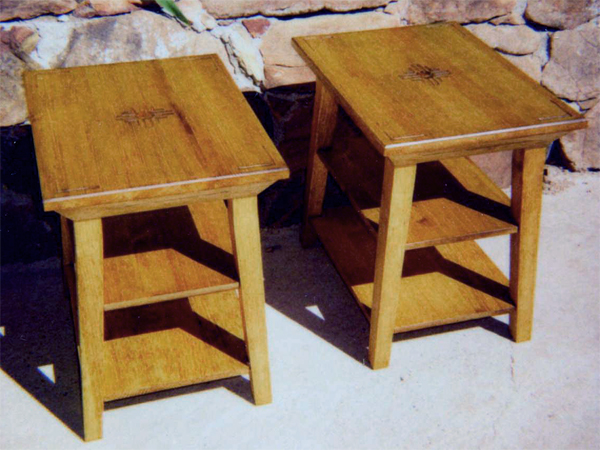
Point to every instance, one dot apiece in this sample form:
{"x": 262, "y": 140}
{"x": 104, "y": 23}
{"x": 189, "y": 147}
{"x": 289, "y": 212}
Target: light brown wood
{"x": 134, "y": 205}
{"x": 323, "y": 125}
{"x": 167, "y": 254}
{"x": 416, "y": 101}
{"x": 243, "y": 218}
{"x": 527, "y": 184}
{"x": 453, "y": 200}
{"x": 438, "y": 285}
{"x": 477, "y": 145}
{"x": 153, "y": 150}
{"x": 88, "y": 258}
{"x": 432, "y": 95}
{"x": 144, "y": 130}
{"x": 173, "y": 344}
{"x": 396, "y": 203}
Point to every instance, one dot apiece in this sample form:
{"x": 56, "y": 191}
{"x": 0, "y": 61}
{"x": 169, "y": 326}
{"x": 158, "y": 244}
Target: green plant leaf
{"x": 172, "y": 9}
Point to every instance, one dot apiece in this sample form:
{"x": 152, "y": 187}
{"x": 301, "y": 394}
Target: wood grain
{"x": 88, "y": 258}
{"x": 396, "y": 203}
{"x": 439, "y": 285}
{"x": 481, "y": 101}
{"x": 145, "y": 154}
{"x": 453, "y": 199}
{"x": 136, "y": 203}
{"x": 172, "y": 344}
{"x": 527, "y": 185}
{"x": 245, "y": 235}
{"x": 323, "y": 125}
{"x": 167, "y": 254}
{"x": 431, "y": 95}
{"x": 143, "y": 130}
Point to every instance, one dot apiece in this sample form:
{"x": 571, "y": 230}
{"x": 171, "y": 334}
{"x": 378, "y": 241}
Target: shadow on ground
{"x": 303, "y": 285}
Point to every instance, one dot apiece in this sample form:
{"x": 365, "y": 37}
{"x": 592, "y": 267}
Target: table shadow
{"x": 342, "y": 324}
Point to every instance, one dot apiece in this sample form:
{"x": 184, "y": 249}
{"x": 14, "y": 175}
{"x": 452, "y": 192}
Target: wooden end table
{"x": 138, "y": 158}
{"x": 423, "y": 99}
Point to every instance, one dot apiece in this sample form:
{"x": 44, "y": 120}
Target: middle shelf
{"x": 453, "y": 201}
{"x": 167, "y": 254}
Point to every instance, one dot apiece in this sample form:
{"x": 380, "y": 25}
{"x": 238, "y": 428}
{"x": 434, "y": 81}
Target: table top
{"x": 145, "y": 131}
{"x": 413, "y": 89}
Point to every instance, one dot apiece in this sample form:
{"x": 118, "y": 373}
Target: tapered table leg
{"x": 526, "y": 204}
{"x": 396, "y": 202}
{"x": 324, "y": 120}
{"x": 90, "y": 307}
{"x": 243, "y": 218}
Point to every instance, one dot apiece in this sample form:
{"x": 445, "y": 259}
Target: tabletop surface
{"x": 429, "y": 83}
{"x": 175, "y": 125}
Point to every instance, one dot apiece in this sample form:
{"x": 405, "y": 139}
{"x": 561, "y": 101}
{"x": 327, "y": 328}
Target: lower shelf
{"x": 172, "y": 344}
{"x": 440, "y": 285}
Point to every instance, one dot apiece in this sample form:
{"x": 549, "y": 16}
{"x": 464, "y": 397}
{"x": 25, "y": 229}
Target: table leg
{"x": 243, "y": 218}
{"x": 324, "y": 120}
{"x": 90, "y": 306}
{"x": 526, "y": 205}
{"x": 396, "y": 202}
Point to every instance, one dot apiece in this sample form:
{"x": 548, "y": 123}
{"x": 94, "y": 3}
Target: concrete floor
{"x": 462, "y": 386}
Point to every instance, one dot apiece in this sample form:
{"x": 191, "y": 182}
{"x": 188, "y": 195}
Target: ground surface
{"x": 466, "y": 386}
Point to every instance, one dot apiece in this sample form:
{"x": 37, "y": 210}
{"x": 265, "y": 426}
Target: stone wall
{"x": 556, "y": 42}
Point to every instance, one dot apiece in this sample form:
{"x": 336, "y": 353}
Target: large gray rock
{"x": 243, "y": 8}
{"x": 563, "y": 14}
{"x": 284, "y": 66}
{"x": 582, "y": 148}
{"x": 516, "y": 40}
{"x": 12, "y": 95}
{"x": 530, "y": 64}
{"x": 573, "y": 71}
{"x": 463, "y": 11}
{"x": 137, "y": 36}
{"x": 26, "y": 9}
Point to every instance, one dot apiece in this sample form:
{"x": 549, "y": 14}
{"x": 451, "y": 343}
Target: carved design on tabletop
{"x": 419, "y": 72}
{"x": 145, "y": 115}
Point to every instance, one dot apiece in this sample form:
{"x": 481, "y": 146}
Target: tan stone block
{"x": 516, "y": 40}
{"x": 92, "y": 8}
{"x": 284, "y": 66}
{"x": 243, "y": 8}
{"x": 462, "y": 11}
{"x": 26, "y": 9}
{"x": 563, "y": 14}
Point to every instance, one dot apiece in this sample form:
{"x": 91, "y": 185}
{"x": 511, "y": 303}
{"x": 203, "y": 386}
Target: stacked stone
{"x": 556, "y": 42}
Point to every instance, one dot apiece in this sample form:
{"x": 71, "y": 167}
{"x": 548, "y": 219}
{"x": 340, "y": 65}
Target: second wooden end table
{"x": 429, "y": 96}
